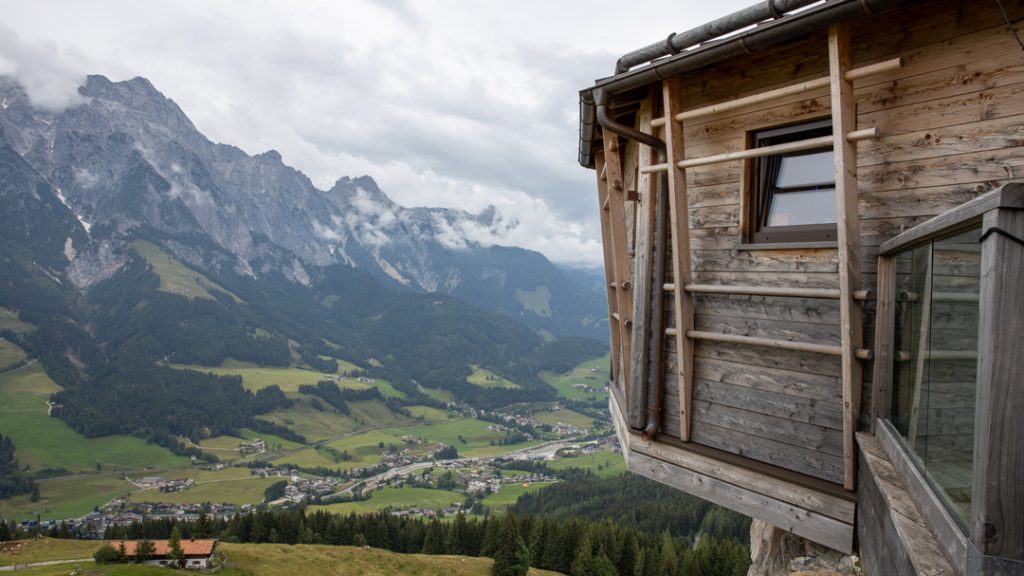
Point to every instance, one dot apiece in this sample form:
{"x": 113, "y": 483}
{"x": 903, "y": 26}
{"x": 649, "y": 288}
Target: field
{"x": 403, "y": 497}
{"x": 66, "y": 497}
{"x": 288, "y": 379}
{"x": 10, "y": 353}
{"x": 247, "y": 490}
{"x": 284, "y": 560}
{"x": 470, "y": 437}
{"x": 263, "y": 560}
{"x": 566, "y": 417}
{"x": 9, "y": 321}
{"x": 437, "y": 394}
{"x": 592, "y": 373}
{"x": 175, "y": 277}
{"x": 42, "y": 441}
{"x": 509, "y": 494}
{"x": 428, "y": 413}
{"x": 603, "y": 463}
{"x": 487, "y": 379}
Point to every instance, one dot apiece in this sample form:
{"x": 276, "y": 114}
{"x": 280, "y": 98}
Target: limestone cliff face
{"x": 128, "y": 160}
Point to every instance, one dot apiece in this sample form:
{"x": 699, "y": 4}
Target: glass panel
{"x": 803, "y": 207}
{"x": 934, "y": 379}
{"x": 813, "y": 169}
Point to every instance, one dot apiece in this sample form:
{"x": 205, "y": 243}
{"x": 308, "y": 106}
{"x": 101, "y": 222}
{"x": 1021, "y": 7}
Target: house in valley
{"x": 198, "y": 554}
{"x": 813, "y": 225}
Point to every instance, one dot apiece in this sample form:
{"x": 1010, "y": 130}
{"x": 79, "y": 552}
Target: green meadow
{"x": 47, "y": 442}
{"x": 9, "y": 320}
{"x": 66, "y": 497}
{"x": 603, "y": 463}
{"x": 565, "y": 417}
{"x": 592, "y": 373}
{"x": 175, "y": 277}
{"x": 509, "y": 494}
{"x": 403, "y": 497}
{"x": 487, "y": 379}
{"x": 230, "y": 490}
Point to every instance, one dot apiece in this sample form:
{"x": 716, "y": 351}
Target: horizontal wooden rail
{"x": 798, "y": 146}
{"x": 653, "y": 168}
{"x": 854, "y": 74}
{"x": 939, "y": 297}
{"x": 823, "y": 293}
{"x": 860, "y": 353}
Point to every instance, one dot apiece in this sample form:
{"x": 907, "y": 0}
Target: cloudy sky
{"x": 449, "y": 103}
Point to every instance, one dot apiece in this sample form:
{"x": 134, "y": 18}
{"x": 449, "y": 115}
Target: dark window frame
{"x": 761, "y": 176}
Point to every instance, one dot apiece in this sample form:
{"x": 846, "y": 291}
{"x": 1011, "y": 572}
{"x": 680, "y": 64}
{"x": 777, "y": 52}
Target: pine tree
{"x": 629, "y": 555}
{"x": 174, "y": 543}
{"x": 512, "y": 557}
{"x": 203, "y": 529}
{"x": 433, "y": 540}
{"x": 144, "y": 549}
{"x": 458, "y": 536}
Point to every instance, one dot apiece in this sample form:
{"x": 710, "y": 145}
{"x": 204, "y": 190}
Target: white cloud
{"x": 51, "y": 76}
{"x": 448, "y": 103}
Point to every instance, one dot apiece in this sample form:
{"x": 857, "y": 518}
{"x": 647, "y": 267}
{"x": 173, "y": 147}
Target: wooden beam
{"x": 679, "y": 218}
{"x": 851, "y": 75}
{"x": 923, "y": 345}
{"x": 609, "y": 264}
{"x": 643, "y": 262}
{"x": 620, "y": 262}
{"x": 885, "y": 340}
{"x": 997, "y": 501}
{"x": 844, "y": 121}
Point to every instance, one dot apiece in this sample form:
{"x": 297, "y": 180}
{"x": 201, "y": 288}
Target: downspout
{"x": 654, "y": 412}
{"x": 630, "y": 133}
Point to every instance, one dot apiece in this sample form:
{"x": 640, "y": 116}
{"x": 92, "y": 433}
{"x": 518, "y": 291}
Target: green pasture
{"x": 43, "y": 441}
{"x": 10, "y": 353}
{"x": 593, "y": 373}
{"x": 509, "y": 494}
{"x": 389, "y": 497}
{"x": 175, "y": 277}
{"x": 428, "y": 413}
{"x": 247, "y": 490}
{"x": 603, "y": 463}
{"x": 9, "y": 320}
{"x": 66, "y": 497}
{"x": 565, "y": 416}
{"x": 487, "y": 379}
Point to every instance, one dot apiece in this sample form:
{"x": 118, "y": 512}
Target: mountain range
{"x": 129, "y": 159}
{"x": 137, "y": 250}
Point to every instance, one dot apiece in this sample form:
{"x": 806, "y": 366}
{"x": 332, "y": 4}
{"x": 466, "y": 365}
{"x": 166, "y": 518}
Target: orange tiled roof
{"x": 202, "y": 548}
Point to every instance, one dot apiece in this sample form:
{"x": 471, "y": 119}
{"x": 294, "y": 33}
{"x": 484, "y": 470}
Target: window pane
{"x": 803, "y": 207}
{"x": 814, "y": 169}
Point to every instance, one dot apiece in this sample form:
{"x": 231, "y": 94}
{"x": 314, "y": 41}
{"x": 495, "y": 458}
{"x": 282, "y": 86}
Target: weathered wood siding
{"x": 952, "y": 122}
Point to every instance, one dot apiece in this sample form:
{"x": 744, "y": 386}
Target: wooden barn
{"x": 812, "y": 216}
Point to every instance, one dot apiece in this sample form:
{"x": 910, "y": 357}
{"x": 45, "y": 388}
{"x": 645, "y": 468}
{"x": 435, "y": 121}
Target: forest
{"x": 12, "y": 480}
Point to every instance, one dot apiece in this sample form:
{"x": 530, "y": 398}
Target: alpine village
{"x": 782, "y": 339}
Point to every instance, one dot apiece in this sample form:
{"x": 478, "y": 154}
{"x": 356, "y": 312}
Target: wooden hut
{"x": 812, "y": 225}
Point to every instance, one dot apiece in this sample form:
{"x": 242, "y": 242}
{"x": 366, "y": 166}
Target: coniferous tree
{"x": 202, "y": 528}
{"x": 174, "y": 543}
{"x": 512, "y": 558}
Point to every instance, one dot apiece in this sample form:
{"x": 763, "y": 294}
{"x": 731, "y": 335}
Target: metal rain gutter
{"x": 763, "y": 36}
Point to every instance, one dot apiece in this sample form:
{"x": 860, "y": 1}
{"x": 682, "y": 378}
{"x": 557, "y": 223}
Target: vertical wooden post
{"x": 609, "y": 263}
{"x": 885, "y": 339}
{"x": 844, "y": 120}
{"x": 617, "y": 227}
{"x": 997, "y": 499}
{"x": 681, "y": 272}
{"x": 642, "y": 266}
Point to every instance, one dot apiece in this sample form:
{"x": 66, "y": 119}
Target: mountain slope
{"x": 129, "y": 158}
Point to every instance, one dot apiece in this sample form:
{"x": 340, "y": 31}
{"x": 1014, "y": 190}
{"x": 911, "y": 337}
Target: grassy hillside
{"x": 175, "y": 277}
{"x": 9, "y": 321}
{"x": 592, "y": 373}
{"x": 66, "y": 497}
{"x": 403, "y": 497}
{"x": 487, "y": 379}
{"x": 43, "y": 441}
{"x": 260, "y": 560}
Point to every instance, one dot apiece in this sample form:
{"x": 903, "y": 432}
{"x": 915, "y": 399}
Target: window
{"x": 792, "y": 195}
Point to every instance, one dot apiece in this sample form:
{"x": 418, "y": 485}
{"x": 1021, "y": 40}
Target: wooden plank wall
{"x": 953, "y": 127}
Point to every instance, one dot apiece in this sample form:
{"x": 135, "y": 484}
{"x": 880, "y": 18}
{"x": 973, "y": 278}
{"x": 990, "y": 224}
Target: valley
{"x": 378, "y": 456}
